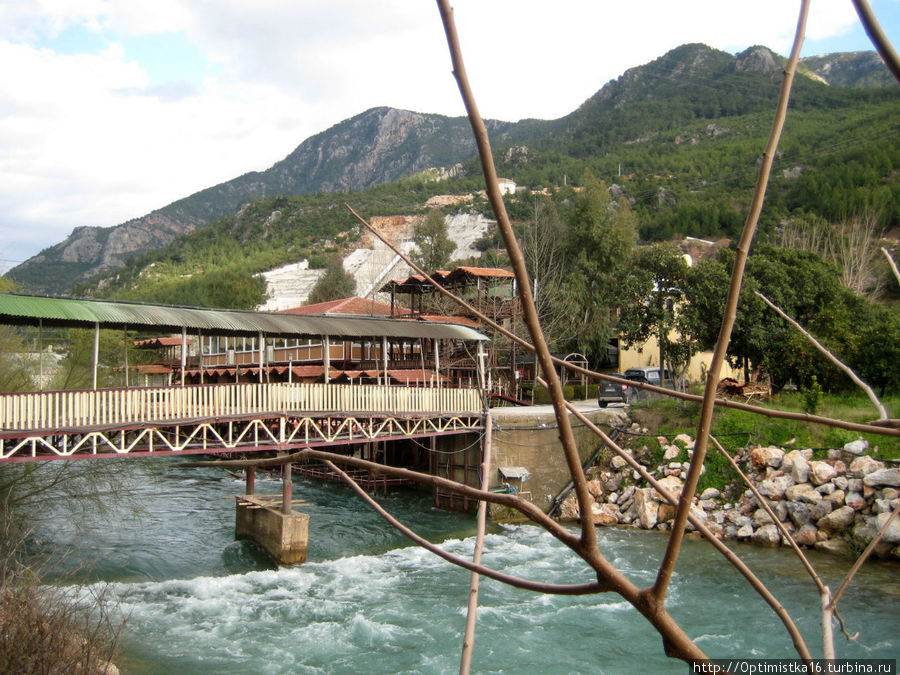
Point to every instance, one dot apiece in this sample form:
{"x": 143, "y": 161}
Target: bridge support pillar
{"x": 284, "y": 536}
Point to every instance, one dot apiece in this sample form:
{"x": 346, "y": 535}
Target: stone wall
{"x": 835, "y": 504}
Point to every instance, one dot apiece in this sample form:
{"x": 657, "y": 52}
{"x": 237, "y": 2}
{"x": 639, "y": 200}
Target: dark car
{"x": 612, "y": 392}
{"x": 649, "y": 375}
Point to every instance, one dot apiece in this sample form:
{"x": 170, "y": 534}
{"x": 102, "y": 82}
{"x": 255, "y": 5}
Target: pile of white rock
{"x": 837, "y": 504}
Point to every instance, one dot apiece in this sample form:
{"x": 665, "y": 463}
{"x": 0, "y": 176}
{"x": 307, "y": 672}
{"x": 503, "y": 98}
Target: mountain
{"x": 688, "y": 84}
{"x": 374, "y": 147}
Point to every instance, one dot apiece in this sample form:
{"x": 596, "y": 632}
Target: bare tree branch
{"x": 542, "y": 352}
{"x": 891, "y": 263}
{"x": 731, "y": 556}
{"x": 877, "y": 36}
{"x": 862, "y": 558}
{"x": 831, "y": 357}
{"x": 667, "y": 567}
{"x": 472, "y": 611}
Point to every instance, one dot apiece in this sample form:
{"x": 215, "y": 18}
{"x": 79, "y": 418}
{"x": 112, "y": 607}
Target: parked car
{"x": 612, "y": 392}
{"x": 649, "y": 375}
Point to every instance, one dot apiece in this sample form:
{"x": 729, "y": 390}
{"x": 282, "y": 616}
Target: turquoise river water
{"x": 367, "y": 601}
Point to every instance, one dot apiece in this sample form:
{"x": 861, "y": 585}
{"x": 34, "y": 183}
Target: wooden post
{"x": 326, "y": 357}
{"x": 184, "y": 346}
{"x": 384, "y": 357}
{"x": 262, "y": 354}
{"x": 482, "y": 375}
{"x": 251, "y": 479}
{"x": 41, "y": 353}
{"x": 437, "y": 361}
{"x": 96, "y": 351}
{"x": 125, "y": 336}
{"x": 287, "y": 488}
{"x": 200, "y": 354}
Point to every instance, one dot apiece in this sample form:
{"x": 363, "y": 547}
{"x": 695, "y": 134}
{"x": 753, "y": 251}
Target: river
{"x": 197, "y": 601}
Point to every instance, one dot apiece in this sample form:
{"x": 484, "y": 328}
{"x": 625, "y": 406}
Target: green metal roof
{"x": 32, "y": 309}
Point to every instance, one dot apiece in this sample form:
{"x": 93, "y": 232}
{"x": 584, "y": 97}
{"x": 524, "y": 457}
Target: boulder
{"x": 673, "y": 484}
{"x": 568, "y": 510}
{"x": 837, "y": 521}
{"x": 762, "y": 457}
{"x": 775, "y": 488}
{"x": 860, "y": 466}
{"x": 710, "y": 493}
{"x": 820, "y": 509}
{"x": 806, "y": 535}
{"x": 745, "y": 532}
{"x": 646, "y": 507}
{"x": 820, "y": 472}
{"x": 618, "y": 462}
{"x": 857, "y": 447}
{"x": 595, "y": 487}
{"x": 881, "y": 477}
{"x": 834, "y": 546}
{"x": 671, "y": 452}
{"x": 613, "y": 483}
{"x": 855, "y": 501}
{"x": 627, "y": 493}
{"x": 761, "y": 517}
{"x": 836, "y": 497}
{"x": 665, "y": 513}
{"x": 885, "y": 505}
{"x": 803, "y": 493}
{"x": 799, "y": 514}
{"x": 892, "y": 535}
{"x": 767, "y": 535}
{"x": 605, "y": 514}
{"x": 781, "y": 510}
{"x": 697, "y": 514}
{"x": 796, "y": 463}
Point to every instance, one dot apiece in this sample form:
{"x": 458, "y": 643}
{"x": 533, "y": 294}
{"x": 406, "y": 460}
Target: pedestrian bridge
{"x": 226, "y": 418}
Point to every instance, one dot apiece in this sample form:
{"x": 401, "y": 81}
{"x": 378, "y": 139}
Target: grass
{"x": 738, "y": 428}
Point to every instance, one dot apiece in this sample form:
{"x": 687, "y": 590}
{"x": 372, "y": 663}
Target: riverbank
{"x": 835, "y": 503}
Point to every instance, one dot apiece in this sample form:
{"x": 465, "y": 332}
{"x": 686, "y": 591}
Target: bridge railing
{"x": 61, "y": 410}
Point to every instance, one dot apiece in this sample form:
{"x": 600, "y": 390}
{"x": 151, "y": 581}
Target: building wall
{"x": 648, "y": 355}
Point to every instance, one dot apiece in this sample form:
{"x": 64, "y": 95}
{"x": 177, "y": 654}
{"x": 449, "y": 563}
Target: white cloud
{"x": 91, "y": 139}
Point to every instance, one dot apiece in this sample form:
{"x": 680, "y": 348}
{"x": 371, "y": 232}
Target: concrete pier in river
{"x": 526, "y": 439}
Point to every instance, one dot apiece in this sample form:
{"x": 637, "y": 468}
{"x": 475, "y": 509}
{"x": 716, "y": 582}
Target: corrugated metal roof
{"x": 30, "y": 309}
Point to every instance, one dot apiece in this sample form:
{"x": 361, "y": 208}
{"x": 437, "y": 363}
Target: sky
{"x": 110, "y": 109}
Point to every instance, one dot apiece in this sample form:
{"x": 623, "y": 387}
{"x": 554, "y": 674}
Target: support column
{"x": 437, "y": 360}
{"x": 251, "y": 479}
{"x": 326, "y": 357}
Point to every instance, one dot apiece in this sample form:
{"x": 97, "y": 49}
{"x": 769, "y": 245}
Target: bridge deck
{"x": 225, "y": 418}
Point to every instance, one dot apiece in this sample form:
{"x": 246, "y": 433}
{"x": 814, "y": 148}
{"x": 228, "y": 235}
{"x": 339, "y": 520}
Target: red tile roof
{"x": 353, "y": 306}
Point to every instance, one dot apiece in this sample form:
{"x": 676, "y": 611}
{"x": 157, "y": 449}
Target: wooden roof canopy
{"x": 41, "y": 310}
